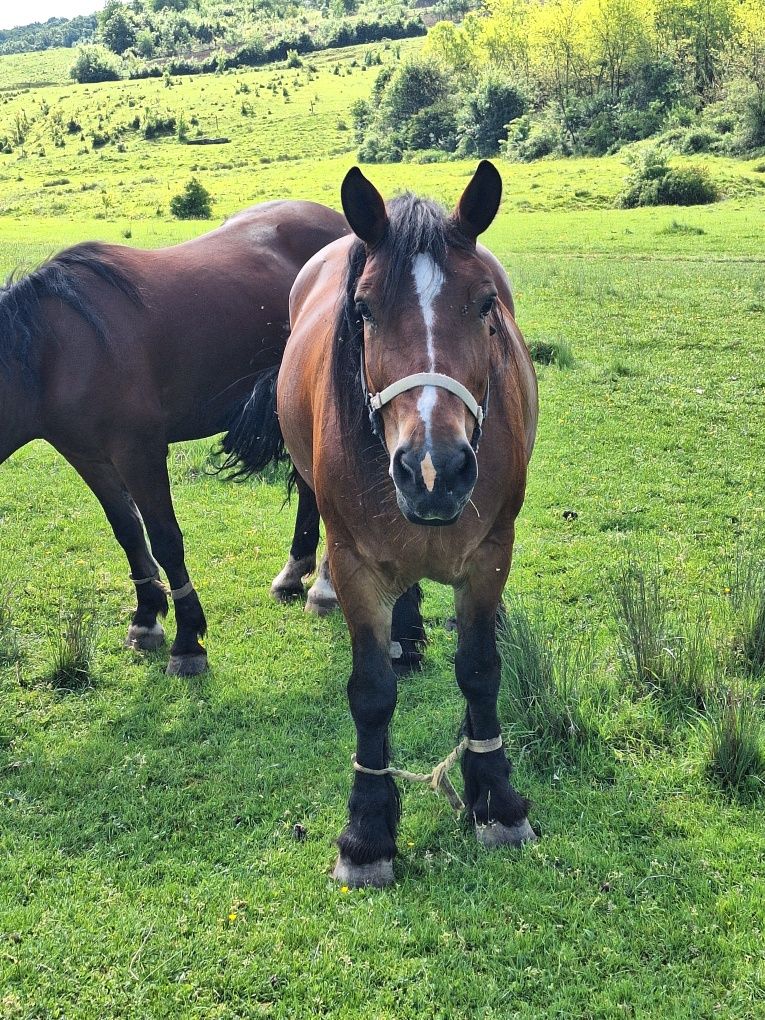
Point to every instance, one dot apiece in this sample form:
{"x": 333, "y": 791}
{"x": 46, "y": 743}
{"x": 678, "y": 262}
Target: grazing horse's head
{"x": 426, "y": 299}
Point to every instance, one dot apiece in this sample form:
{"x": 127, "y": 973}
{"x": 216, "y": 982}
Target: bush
{"x": 529, "y": 139}
{"x": 194, "y": 202}
{"x": 94, "y": 64}
{"x": 699, "y": 140}
{"x": 687, "y": 186}
{"x": 652, "y": 182}
{"x": 488, "y": 110}
{"x": 378, "y": 149}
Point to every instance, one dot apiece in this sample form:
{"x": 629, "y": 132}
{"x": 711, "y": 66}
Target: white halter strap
{"x": 444, "y": 382}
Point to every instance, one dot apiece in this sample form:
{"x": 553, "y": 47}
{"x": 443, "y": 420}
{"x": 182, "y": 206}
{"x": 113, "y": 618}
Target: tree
{"x": 194, "y": 202}
{"x": 117, "y": 27}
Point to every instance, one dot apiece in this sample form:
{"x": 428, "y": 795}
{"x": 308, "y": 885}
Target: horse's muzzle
{"x": 433, "y": 485}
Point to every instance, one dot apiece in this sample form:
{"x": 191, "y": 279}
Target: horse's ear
{"x": 480, "y": 200}
{"x": 364, "y": 207}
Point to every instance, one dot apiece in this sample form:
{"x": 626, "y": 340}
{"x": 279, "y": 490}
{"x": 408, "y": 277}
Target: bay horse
{"x": 403, "y": 355}
{"x": 110, "y": 353}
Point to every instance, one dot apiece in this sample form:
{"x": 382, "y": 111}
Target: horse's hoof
{"x": 288, "y": 583}
{"x": 286, "y": 594}
{"x": 321, "y": 604}
{"x": 497, "y": 834}
{"x": 187, "y": 665}
{"x": 377, "y": 874}
{"x": 145, "y": 639}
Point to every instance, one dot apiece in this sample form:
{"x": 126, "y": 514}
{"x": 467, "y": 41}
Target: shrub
{"x": 492, "y": 105}
{"x": 652, "y": 182}
{"x": 194, "y": 202}
{"x": 687, "y": 186}
{"x": 699, "y": 140}
{"x": 378, "y": 149}
{"x": 94, "y": 64}
{"x": 529, "y": 139}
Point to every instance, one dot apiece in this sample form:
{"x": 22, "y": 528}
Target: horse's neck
{"x": 19, "y": 410}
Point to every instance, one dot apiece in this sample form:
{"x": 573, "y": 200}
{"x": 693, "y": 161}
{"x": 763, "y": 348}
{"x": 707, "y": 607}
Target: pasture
{"x": 150, "y": 865}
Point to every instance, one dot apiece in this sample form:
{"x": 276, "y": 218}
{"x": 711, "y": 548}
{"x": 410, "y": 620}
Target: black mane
{"x": 21, "y": 317}
{"x": 414, "y": 225}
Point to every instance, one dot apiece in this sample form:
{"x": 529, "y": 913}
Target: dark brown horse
{"x": 382, "y": 406}
{"x": 110, "y": 353}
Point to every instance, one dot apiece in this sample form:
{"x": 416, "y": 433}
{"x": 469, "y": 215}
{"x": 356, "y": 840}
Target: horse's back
{"x": 197, "y": 322}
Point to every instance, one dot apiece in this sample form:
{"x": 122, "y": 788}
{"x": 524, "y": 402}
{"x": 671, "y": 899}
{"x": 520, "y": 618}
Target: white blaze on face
{"x": 428, "y": 281}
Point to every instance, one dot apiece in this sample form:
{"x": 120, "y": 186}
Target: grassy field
{"x": 148, "y": 864}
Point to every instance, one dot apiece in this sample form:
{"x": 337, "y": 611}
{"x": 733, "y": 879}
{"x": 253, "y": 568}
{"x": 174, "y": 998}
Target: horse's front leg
{"x": 288, "y": 584}
{"x": 145, "y": 631}
{"x": 368, "y": 842}
{"x": 143, "y": 468}
{"x": 497, "y": 809}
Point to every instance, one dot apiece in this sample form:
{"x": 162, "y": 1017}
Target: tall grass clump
{"x": 552, "y": 352}
{"x": 10, "y": 650}
{"x": 660, "y": 651}
{"x": 746, "y": 589}
{"x": 641, "y": 612}
{"x": 734, "y": 752}
{"x": 541, "y": 674}
{"x": 73, "y": 646}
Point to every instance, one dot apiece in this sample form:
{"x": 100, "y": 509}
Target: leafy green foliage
{"x": 653, "y": 182}
{"x": 194, "y": 202}
{"x": 94, "y": 64}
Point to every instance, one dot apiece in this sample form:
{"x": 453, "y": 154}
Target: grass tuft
{"x": 73, "y": 646}
{"x": 734, "y": 755}
{"x": 640, "y": 609}
{"x": 746, "y": 588}
{"x": 658, "y": 652}
{"x": 541, "y": 677}
{"x": 682, "y": 228}
{"x": 552, "y": 352}
{"x": 10, "y": 649}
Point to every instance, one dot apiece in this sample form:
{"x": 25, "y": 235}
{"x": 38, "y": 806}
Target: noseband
{"x": 376, "y": 401}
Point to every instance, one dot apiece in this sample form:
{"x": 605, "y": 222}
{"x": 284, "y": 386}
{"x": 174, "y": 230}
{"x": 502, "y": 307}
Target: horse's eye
{"x": 487, "y": 306}
{"x": 364, "y": 311}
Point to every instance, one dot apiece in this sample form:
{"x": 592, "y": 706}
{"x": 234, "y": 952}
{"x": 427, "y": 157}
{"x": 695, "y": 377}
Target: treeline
{"x": 535, "y": 77}
{"x": 45, "y": 35}
{"x": 148, "y": 39}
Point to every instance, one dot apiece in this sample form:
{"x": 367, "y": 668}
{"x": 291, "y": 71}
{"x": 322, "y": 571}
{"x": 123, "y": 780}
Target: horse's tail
{"x": 254, "y": 439}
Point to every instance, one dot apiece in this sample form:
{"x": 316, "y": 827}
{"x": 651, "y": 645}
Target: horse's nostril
{"x": 404, "y": 467}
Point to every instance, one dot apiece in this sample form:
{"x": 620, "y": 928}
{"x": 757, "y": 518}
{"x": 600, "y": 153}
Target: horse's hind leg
{"x": 143, "y": 467}
{"x": 497, "y": 809}
{"x": 288, "y": 584}
{"x": 407, "y": 632}
{"x": 145, "y": 632}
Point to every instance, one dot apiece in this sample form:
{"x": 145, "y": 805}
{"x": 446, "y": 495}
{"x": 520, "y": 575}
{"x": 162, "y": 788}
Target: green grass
{"x": 148, "y": 867}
